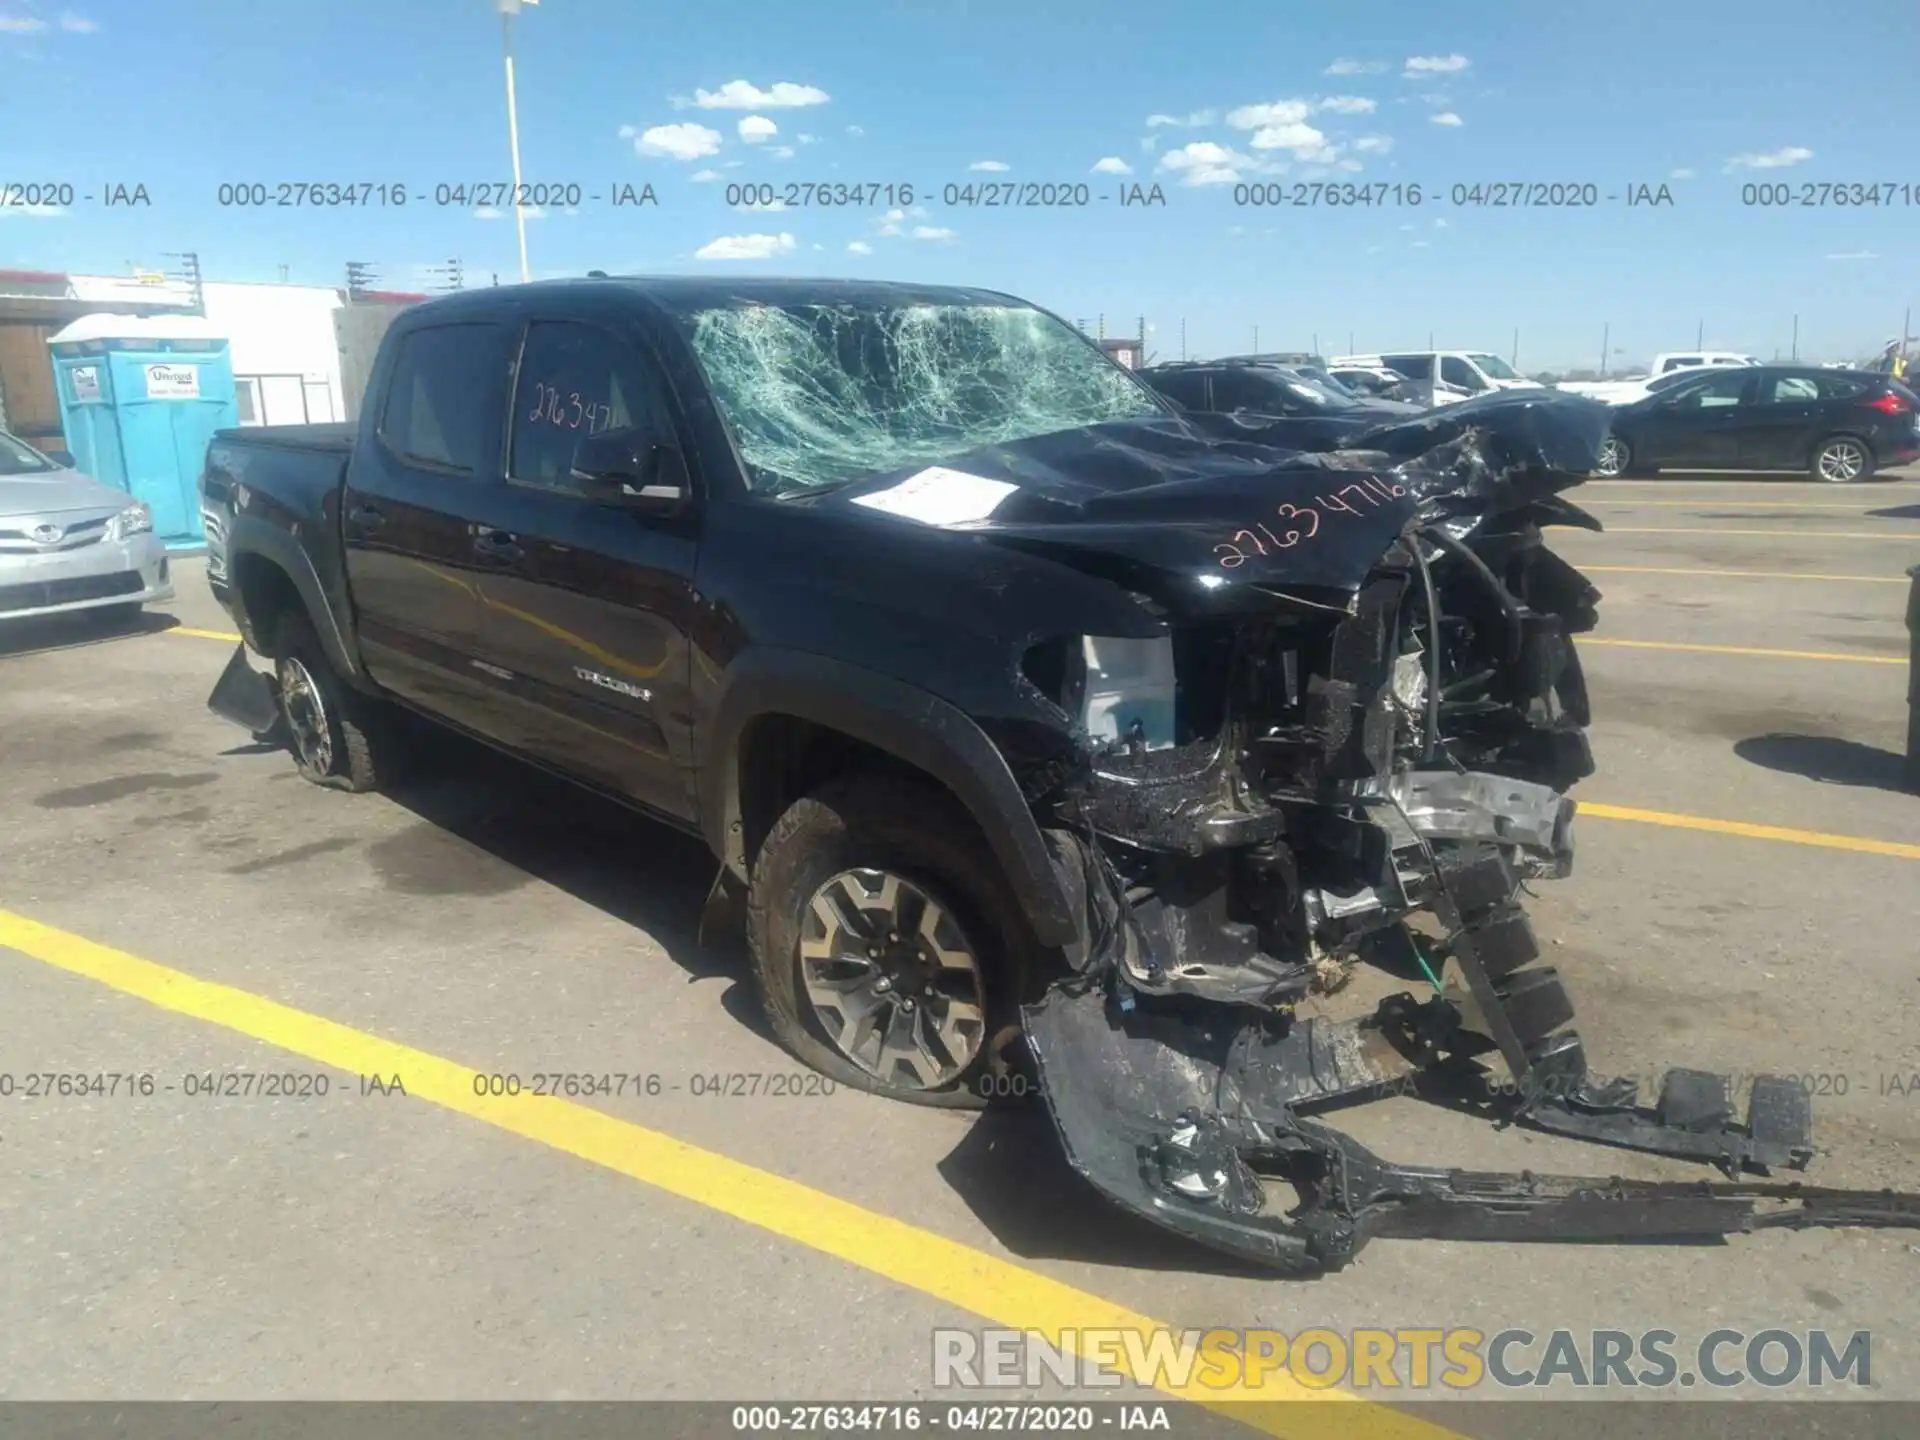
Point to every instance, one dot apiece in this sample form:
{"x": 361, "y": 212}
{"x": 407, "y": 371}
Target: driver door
{"x": 1698, "y": 425}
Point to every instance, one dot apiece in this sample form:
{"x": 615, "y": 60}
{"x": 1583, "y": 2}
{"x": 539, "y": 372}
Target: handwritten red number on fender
{"x": 1294, "y": 537}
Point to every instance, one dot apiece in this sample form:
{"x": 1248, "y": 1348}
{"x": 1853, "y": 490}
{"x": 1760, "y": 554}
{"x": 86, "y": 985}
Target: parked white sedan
{"x": 68, "y": 542}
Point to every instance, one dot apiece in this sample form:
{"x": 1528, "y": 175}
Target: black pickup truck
{"x": 1049, "y": 736}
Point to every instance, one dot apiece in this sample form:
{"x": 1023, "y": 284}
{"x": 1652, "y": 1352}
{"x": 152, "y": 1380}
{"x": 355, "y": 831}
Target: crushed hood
{"x": 1227, "y": 503}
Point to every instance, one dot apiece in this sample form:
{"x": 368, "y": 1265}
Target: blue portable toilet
{"x": 140, "y": 397}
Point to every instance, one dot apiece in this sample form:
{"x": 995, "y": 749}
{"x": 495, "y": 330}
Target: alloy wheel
{"x": 306, "y": 712}
{"x": 1612, "y": 458}
{"x": 894, "y": 983}
{"x": 1841, "y": 461}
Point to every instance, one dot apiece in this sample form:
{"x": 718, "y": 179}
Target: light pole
{"x": 509, "y": 9}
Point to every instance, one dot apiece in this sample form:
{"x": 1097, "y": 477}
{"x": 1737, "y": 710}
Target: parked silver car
{"x": 68, "y": 542}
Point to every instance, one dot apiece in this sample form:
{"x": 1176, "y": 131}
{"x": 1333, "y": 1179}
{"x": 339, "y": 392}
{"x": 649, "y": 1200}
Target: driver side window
{"x": 1717, "y": 393}
{"x": 575, "y": 380}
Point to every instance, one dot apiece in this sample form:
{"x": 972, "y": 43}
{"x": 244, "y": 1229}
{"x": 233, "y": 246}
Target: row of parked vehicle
{"x": 1704, "y": 410}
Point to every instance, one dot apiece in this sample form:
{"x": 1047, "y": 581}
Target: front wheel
{"x": 1614, "y": 458}
{"x": 887, "y": 947}
{"x": 1841, "y": 460}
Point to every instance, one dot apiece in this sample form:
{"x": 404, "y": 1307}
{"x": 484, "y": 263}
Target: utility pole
{"x": 1796, "y": 337}
{"x": 1700, "y": 335}
{"x": 188, "y": 274}
{"x": 1606, "y": 335}
{"x": 1350, "y": 342}
{"x": 509, "y": 9}
{"x": 1316, "y": 344}
{"x": 1183, "y": 337}
{"x": 360, "y": 279}
{"x": 1514, "y": 359}
{"x": 1429, "y": 339}
{"x": 1256, "y": 339}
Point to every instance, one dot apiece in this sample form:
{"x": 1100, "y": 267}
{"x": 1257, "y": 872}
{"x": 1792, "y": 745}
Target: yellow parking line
{"x": 1738, "y": 574}
{"x": 974, "y": 1280}
{"x": 1743, "y": 504}
{"x": 231, "y": 639}
{"x": 1586, "y": 640}
{"x": 1783, "y": 532}
{"x": 1857, "y": 843}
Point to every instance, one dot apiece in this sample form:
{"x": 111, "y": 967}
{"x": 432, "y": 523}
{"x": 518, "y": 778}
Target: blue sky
{"x": 1703, "y": 97}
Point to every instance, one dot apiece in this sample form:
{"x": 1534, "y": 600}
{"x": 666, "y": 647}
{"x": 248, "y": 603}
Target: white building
{"x": 285, "y": 352}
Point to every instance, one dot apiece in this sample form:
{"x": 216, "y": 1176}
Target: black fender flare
{"x": 919, "y": 728}
{"x": 249, "y": 535}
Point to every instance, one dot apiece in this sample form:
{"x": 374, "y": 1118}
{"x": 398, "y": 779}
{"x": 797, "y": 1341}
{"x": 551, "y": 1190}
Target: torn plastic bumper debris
{"x": 1195, "y": 1115}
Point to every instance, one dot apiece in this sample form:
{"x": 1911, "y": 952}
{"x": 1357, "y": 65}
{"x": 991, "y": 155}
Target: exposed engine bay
{"x": 1299, "y": 779}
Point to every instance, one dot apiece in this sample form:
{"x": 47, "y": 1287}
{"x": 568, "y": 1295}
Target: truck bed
{"x": 332, "y": 437}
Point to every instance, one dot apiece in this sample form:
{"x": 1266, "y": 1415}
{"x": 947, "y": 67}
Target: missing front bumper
{"x": 1187, "y": 1112}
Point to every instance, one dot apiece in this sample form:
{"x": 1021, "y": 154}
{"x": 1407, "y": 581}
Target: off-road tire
{"x": 367, "y": 744}
{"x": 913, "y": 829}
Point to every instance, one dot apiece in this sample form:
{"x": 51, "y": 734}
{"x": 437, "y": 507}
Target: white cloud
{"x": 1406, "y": 227}
{"x": 856, "y": 130}
{"x": 755, "y": 129}
{"x": 78, "y": 24}
{"x": 859, "y": 247}
{"x": 1419, "y": 245}
{"x": 33, "y": 212}
{"x": 1306, "y": 143}
{"x": 1373, "y": 144}
{"x": 890, "y": 222}
{"x": 1441, "y": 223}
{"x": 1681, "y": 174}
{"x": 676, "y": 142}
{"x": 1349, "y": 105}
{"x": 1111, "y": 165}
{"x": 1149, "y": 143}
{"x": 1771, "y": 159}
{"x": 780, "y": 152}
{"x": 1446, "y": 117}
{"x": 532, "y": 212}
{"x": 21, "y": 25}
{"x": 489, "y": 212}
{"x": 1274, "y": 112}
{"x": 745, "y": 247}
{"x": 744, "y": 95}
{"x": 808, "y": 139}
{"x": 1419, "y": 65}
{"x": 995, "y": 165}
{"x": 1205, "y": 163}
{"x": 1356, "y": 67}
{"x": 704, "y": 175}
{"x": 1855, "y": 255}
{"x": 1197, "y": 117}
{"x": 932, "y": 232}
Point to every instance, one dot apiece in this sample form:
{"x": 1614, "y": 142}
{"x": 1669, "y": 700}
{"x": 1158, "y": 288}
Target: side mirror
{"x": 631, "y": 469}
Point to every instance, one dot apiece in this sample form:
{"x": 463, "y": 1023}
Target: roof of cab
{"x": 682, "y": 293}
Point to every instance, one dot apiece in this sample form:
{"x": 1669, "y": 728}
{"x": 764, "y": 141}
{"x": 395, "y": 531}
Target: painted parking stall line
{"x": 948, "y": 1270}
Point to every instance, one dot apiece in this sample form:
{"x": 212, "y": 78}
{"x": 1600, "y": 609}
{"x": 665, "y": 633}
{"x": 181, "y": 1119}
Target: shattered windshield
{"x": 818, "y": 394}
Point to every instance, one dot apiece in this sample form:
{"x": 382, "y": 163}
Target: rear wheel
{"x": 1841, "y": 460}
{"x": 339, "y": 737}
{"x": 888, "y": 949}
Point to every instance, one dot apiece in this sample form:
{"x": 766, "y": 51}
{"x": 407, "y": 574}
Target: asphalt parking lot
{"x": 1746, "y": 899}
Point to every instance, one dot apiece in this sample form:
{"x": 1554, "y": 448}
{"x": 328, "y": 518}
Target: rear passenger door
{"x": 1779, "y": 430}
{"x": 413, "y": 492}
{"x": 587, "y": 606}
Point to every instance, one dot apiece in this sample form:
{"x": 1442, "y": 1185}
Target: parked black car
{"x": 1838, "y": 425}
{"x": 1042, "y": 737}
{"x": 1262, "y": 387}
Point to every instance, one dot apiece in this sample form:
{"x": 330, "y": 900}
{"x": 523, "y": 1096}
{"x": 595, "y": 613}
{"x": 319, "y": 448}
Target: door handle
{"x": 366, "y": 517}
{"x": 499, "y": 546}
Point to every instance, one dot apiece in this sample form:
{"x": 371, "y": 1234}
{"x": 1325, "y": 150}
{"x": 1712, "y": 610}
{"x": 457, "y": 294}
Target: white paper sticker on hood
{"x": 939, "y": 496}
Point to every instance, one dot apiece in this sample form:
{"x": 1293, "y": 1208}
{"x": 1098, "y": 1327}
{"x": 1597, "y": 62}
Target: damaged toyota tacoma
{"x": 1041, "y": 732}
